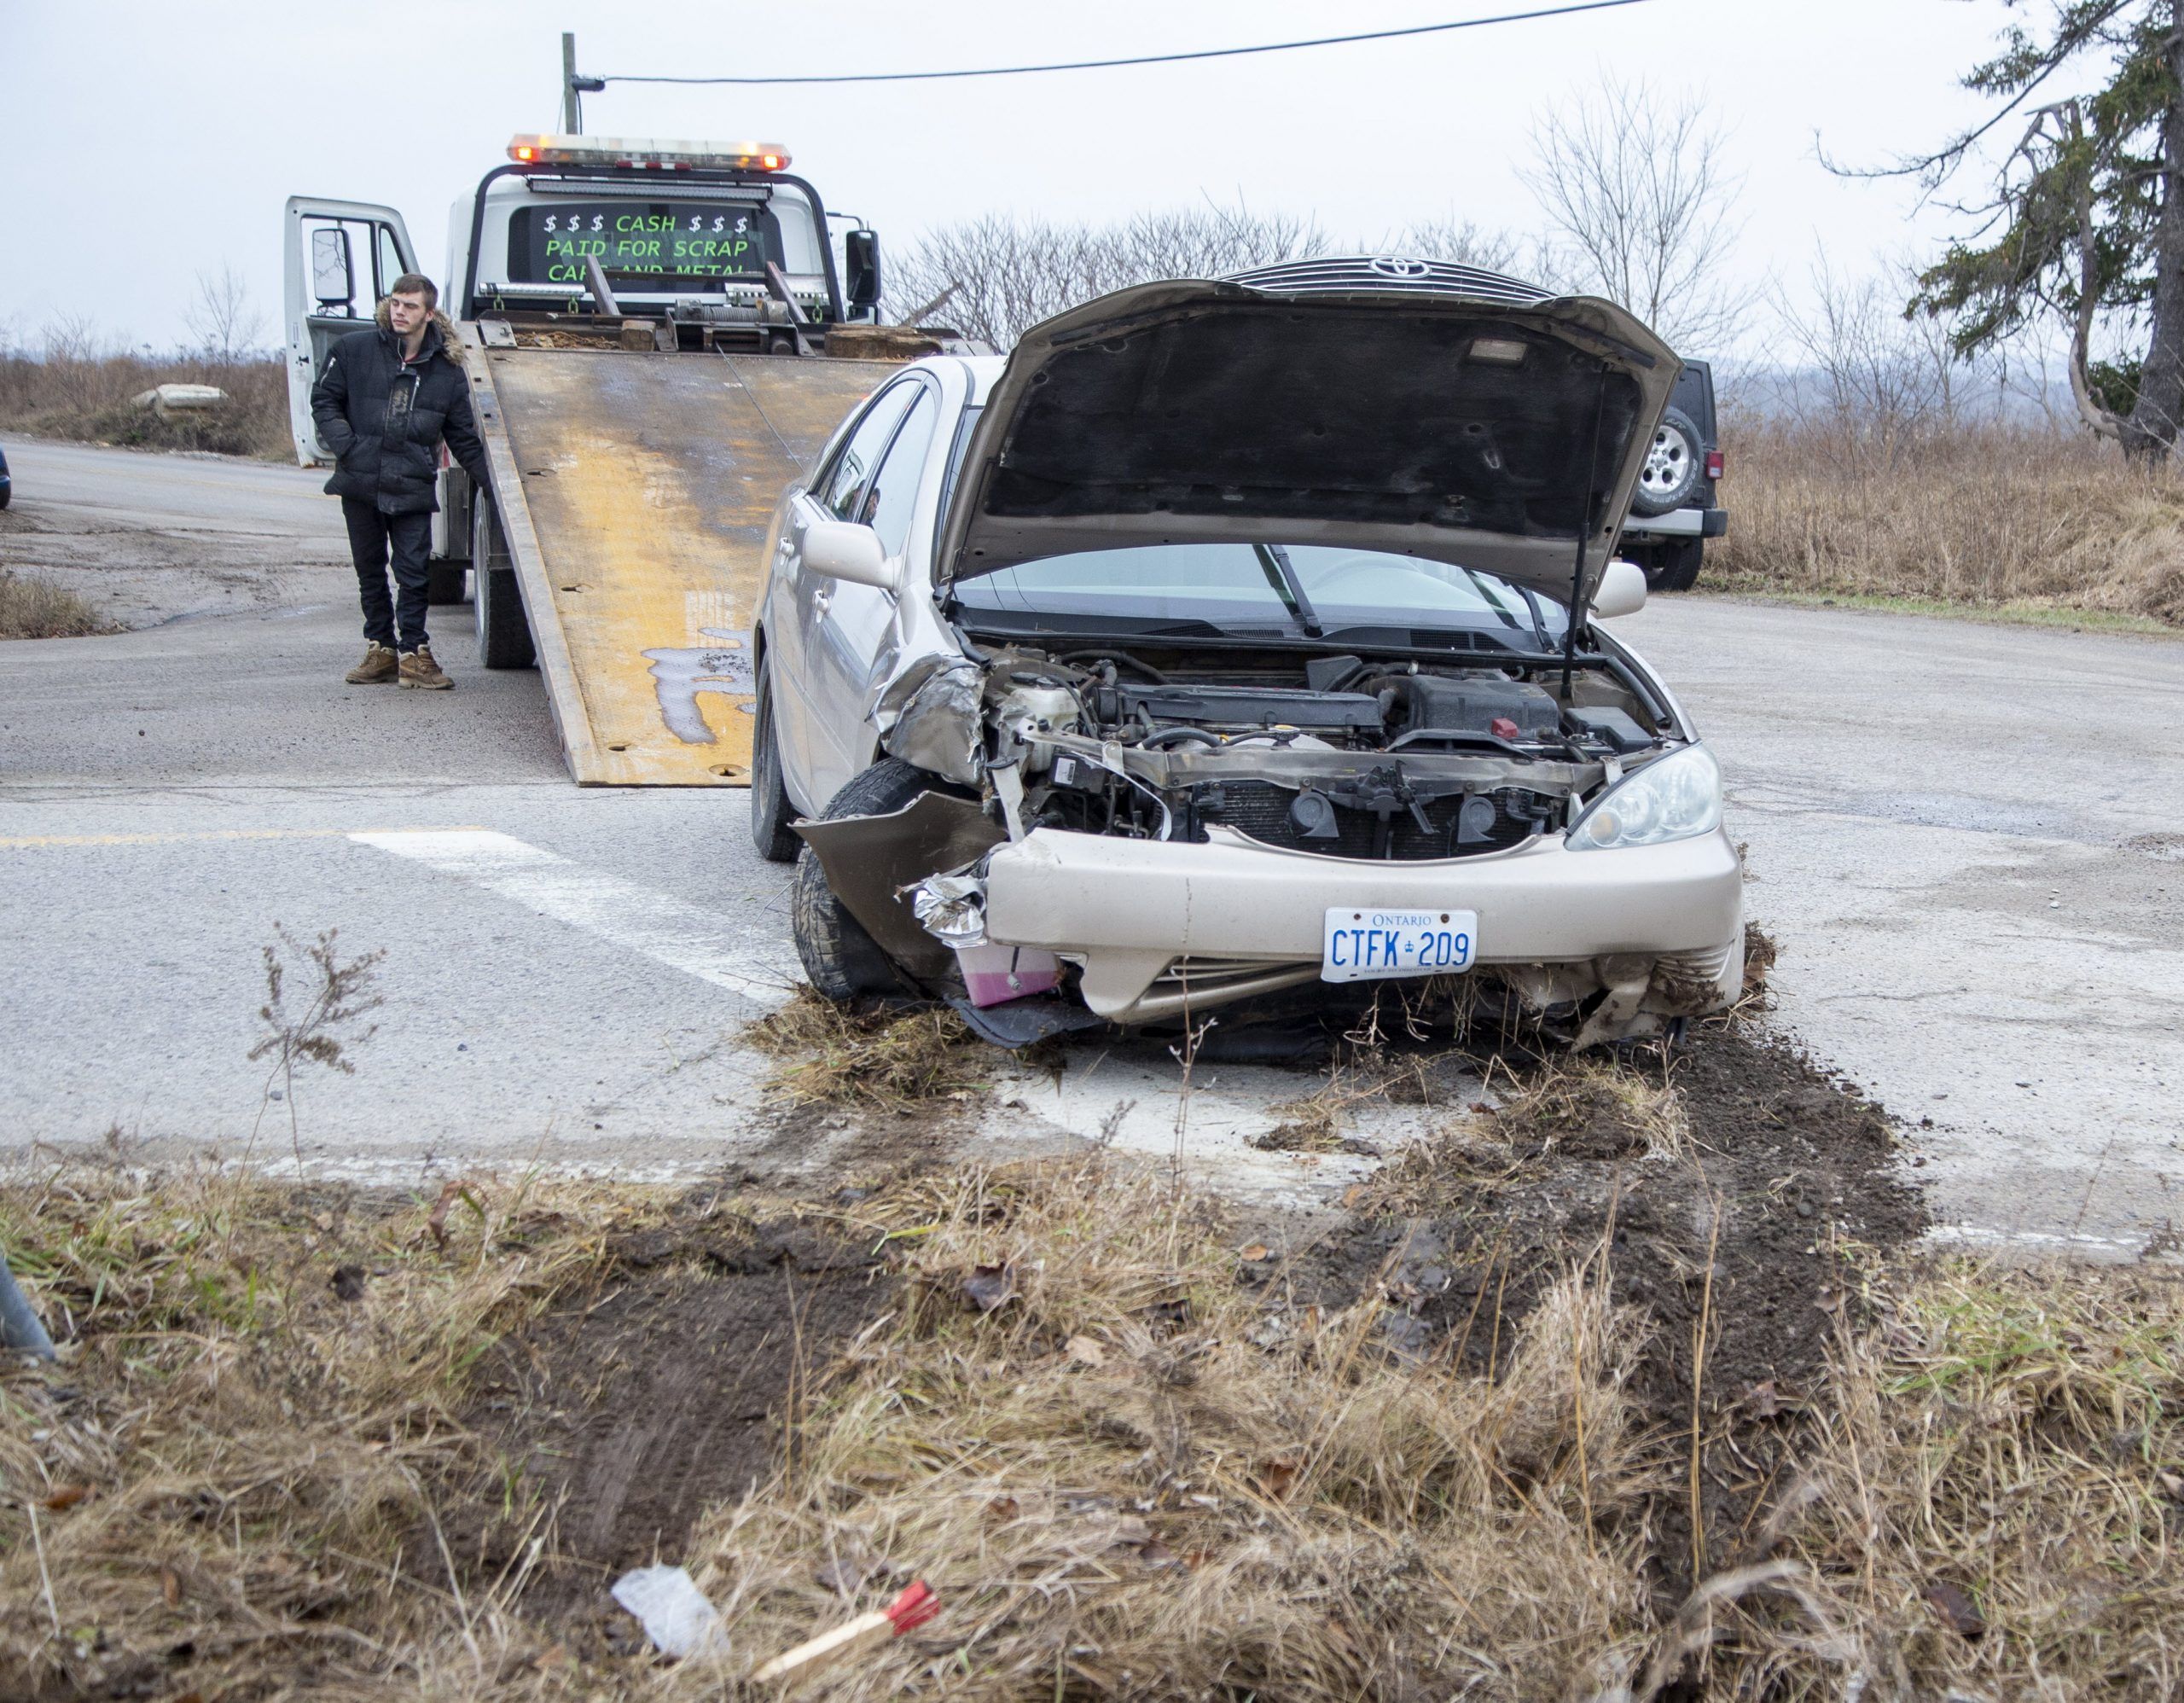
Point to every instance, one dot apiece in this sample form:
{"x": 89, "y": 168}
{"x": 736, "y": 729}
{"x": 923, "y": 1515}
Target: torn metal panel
{"x": 930, "y": 715}
{"x": 870, "y": 859}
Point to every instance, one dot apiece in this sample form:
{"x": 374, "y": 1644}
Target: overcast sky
{"x": 149, "y": 143}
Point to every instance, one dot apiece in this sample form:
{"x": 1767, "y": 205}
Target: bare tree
{"x": 1639, "y": 188}
{"x": 1007, "y": 274}
{"x": 1877, "y": 378}
{"x": 223, "y": 319}
{"x": 1461, "y": 241}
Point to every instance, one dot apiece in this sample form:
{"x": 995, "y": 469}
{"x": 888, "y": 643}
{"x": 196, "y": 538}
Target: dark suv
{"x": 1675, "y": 510}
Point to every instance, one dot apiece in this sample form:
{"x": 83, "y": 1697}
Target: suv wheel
{"x": 1672, "y": 468}
{"x": 1671, "y": 564}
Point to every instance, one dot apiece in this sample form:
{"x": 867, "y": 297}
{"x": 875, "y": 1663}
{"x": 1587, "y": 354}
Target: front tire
{"x": 842, "y": 958}
{"x": 770, "y": 810}
{"x": 503, "y": 634}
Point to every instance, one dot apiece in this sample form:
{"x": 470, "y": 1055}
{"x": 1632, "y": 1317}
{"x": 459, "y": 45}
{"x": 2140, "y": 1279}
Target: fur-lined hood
{"x": 449, "y": 341}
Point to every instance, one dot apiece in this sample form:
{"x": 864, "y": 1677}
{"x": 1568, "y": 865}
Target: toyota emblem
{"x": 1389, "y": 267}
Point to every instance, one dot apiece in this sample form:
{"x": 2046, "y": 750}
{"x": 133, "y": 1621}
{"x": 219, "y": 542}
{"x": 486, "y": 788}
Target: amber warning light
{"x": 641, "y": 154}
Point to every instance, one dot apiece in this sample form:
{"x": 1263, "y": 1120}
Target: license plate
{"x": 1364, "y": 945}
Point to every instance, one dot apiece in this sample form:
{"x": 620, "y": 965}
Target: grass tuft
{"x": 831, "y": 1055}
{"x": 33, "y": 607}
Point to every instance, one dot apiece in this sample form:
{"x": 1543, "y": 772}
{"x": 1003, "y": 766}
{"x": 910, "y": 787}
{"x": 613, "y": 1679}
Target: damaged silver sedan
{"x": 1239, "y": 641}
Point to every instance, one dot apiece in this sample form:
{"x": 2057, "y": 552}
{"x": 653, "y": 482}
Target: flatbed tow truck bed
{"x": 635, "y": 491}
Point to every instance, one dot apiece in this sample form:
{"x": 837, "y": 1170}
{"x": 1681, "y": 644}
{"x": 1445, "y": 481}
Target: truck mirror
{"x": 330, "y": 271}
{"x": 861, "y": 258}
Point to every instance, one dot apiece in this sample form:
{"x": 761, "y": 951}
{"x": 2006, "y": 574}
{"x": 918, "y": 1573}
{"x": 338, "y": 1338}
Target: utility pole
{"x": 571, "y": 107}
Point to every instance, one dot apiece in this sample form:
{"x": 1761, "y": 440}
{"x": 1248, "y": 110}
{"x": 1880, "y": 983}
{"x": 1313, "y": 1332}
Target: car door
{"x": 850, "y": 622}
{"x": 342, "y": 257}
{"x": 797, "y": 599}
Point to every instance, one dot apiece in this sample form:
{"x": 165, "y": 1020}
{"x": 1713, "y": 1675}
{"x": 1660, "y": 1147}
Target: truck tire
{"x": 1680, "y": 560}
{"x": 1670, "y": 564}
{"x": 445, "y": 581}
{"x": 843, "y": 960}
{"x": 503, "y": 634}
{"x": 1673, "y": 465}
{"x": 770, "y": 810}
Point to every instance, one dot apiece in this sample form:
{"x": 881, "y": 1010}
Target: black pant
{"x": 373, "y": 537}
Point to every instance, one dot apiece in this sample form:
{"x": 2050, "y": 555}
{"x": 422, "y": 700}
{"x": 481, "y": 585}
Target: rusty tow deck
{"x": 635, "y": 490}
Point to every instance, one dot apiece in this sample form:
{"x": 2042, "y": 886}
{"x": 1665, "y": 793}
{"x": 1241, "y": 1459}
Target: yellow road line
{"x": 31, "y": 842}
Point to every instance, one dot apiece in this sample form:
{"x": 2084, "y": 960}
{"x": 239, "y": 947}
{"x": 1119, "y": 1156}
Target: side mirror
{"x": 330, "y": 271}
{"x": 861, "y": 260}
{"x": 840, "y": 549}
{"x": 1621, "y": 591}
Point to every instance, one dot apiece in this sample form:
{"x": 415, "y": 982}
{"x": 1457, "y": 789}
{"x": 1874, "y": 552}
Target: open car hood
{"x": 1437, "y": 412}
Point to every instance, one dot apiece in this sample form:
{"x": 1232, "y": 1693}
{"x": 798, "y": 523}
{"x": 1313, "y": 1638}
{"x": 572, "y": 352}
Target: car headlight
{"x": 1675, "y": 797}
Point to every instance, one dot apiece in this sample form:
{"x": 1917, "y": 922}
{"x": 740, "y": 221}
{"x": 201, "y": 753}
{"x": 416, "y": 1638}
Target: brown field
{"x": 85, "y": 398}
{"x": 1985, "y": 516}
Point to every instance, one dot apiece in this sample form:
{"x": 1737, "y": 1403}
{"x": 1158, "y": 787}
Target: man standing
{"x": 386, "y": 401}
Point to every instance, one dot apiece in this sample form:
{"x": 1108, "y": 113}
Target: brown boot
{"x": 419, "y": 670}
{"x": 378, "y": 663}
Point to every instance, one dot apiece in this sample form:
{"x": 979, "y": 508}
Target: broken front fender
{"x": 930, "y": 715}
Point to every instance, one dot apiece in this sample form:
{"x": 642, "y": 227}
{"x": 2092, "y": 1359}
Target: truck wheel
{"x": 770, "y": 810}
{"x": 1672, "y": 468}
{"x": 445, "y": 581}
{"x": 1680, "y": 564}
{"x": 1670, "y": 564}
{"x": 843, "y": 960}
{"x": 503, "y": 634}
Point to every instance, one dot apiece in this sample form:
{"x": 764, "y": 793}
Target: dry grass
{"x": 1599, "y": 1107}
{"x": 1995, "y": 1497}
{"x": 219, "y": 1477}
{"x": 1988, "y": 517}
{"x": 1128, "y": 1480}
{"x": 831, "y": 1055}
{"x": 1124, "y": 1476}
{"x": 35, "y": 607}
{"x": 85, "y": 396}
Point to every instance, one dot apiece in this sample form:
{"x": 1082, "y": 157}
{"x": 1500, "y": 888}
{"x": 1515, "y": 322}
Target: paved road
{"x": 1963, "y": 837}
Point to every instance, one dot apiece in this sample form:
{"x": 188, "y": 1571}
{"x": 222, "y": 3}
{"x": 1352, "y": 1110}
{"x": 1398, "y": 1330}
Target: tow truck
{"x": 656, "y": 341}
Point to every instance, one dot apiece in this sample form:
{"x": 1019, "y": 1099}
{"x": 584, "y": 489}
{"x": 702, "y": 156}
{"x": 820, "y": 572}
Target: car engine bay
{"x": 1337, "y": 755}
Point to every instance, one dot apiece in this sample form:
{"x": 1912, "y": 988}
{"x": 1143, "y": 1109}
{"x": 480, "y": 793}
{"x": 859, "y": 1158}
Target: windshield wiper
{"x": 1274, "y": 560}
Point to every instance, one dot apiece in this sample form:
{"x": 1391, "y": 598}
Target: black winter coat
{"x": 384, "y": 419}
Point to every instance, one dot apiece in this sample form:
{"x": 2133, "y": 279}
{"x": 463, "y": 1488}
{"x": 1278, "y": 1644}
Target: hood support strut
{"x": 1584, "y": 520}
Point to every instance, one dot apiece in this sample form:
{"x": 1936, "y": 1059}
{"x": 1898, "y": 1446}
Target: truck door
{"x": 340, "y": 258}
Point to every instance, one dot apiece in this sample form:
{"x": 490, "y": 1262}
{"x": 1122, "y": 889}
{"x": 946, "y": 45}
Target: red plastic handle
{"x": 914, "y": 1608}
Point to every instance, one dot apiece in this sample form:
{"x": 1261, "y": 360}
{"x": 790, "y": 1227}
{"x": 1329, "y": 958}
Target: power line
{"x": 1157, "y": 58}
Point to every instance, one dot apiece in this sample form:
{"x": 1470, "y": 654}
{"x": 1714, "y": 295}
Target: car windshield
{"x": 1313, "y": 590}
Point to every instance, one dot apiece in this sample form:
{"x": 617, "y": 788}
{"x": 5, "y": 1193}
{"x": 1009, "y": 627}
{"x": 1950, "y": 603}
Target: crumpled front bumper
{"x": 1163, "y": 927}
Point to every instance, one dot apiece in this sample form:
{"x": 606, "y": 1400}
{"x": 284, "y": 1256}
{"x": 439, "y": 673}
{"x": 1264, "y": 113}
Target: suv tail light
{"x": 1713, "y": 464}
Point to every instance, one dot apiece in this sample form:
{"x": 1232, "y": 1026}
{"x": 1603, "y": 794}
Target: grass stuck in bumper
{"x": 311, "y": 1443}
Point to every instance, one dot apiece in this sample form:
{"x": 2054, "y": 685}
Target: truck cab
{"x": 658, "y": 336}
{"x": 717, "y": 244}
{"x": 579, "y": 241}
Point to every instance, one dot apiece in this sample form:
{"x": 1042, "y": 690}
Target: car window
{"x": 851, "y": 480}
{"x": 895, "y": 489}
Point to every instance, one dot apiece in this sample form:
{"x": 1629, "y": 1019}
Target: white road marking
{"x": 1980, "y": 1236}
{"x": 685, "y": 937}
